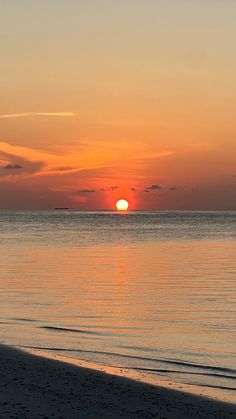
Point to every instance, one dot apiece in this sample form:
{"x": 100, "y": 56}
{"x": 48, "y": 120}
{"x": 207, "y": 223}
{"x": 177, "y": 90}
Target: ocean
{"x": 149, "y": 291}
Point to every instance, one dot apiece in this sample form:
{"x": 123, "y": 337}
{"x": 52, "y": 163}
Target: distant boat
{"x": 61, "y": 208}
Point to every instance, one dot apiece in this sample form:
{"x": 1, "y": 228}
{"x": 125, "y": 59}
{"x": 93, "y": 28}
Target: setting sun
{"x": 122, "y": 205}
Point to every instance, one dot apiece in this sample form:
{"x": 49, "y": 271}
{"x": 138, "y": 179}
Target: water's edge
{"x": 134, "y": 374}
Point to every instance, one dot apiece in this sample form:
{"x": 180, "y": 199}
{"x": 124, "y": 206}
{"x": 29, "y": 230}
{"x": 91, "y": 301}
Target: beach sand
{"x": 35, "y": 387}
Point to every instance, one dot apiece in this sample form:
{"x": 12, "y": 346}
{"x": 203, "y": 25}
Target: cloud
{"x": 153, "y": 155}
{"x": 110, "y": 188}
{"x": 26, "y": 153}
{"x": 52, "y": 163}
{"x": 29, "y": 162}
{"x": 25, "y": 114}
{"x": 64, "y": 168}
{"x": 66, "y": 161}
{"x": 87, "y": 191}
{"x": 60, "y": 170}
{"x": 10, "y": 166}
{"x": 26, "y": 168}
{"x": 154, "y": 187}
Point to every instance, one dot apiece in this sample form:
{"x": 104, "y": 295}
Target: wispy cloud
{"x": 38, "y": 162}
{"x": 153, "y": 156}
{"x": 25, "y": 114}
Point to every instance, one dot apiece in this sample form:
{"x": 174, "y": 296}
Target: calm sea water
{"x": 153, "y": 291}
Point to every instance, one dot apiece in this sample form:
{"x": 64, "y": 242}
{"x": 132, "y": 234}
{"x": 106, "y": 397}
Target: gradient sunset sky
{"x": 108, "y": 99}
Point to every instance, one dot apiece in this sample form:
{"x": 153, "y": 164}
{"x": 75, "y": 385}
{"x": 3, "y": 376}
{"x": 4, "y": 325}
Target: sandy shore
{"x": 34, "y": 387}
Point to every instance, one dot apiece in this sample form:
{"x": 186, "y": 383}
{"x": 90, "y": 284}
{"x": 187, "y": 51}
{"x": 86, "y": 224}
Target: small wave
{"x": 66, "y": 329}
{"x": 183, "y": 372}
{"x": 160, "y": 360}
{"x": 219, "y": 387}
{"x": 205, "y": 367}
{"x": 69, "y": 330}
{"x": 22, "y": 319}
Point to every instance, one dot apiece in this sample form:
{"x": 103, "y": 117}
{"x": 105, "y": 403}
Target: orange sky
{"x": 103, "y": 100}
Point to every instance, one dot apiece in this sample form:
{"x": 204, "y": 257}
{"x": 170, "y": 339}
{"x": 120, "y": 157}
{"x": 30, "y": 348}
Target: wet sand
{"x": 35, "y": 387}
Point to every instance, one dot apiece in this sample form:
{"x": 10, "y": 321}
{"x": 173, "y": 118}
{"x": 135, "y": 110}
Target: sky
{"x": 106, "y": 99}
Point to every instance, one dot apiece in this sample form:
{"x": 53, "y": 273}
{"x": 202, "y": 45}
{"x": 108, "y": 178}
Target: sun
{"x": 122, "y": 205}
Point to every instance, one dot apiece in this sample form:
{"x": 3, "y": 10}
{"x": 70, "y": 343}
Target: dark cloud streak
{"x": 12, "y": 166}
{"x": 87, "y": 191}
{"x": 153, "y": 187}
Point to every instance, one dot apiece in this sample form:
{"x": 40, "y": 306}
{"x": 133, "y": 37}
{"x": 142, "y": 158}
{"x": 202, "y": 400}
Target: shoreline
{"x": 136, "y": 375}
{"x": 35, "y": 385}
